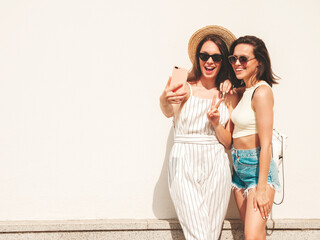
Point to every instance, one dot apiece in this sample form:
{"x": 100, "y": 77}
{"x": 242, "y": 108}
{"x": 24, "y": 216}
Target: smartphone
{"x": 179, "y": 76}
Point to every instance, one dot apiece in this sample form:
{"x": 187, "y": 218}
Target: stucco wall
{"x": 81, "y": 132}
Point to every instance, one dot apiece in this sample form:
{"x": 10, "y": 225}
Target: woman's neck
{"x": 250, "y": 81}
{"x": 206, "y": 82}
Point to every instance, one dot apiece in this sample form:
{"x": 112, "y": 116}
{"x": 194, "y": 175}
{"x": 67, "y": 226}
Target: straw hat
{"x": 199, "y": 35}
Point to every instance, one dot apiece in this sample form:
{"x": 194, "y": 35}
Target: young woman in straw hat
{"x": 199, "y": 173}
{"x": 255, "y": 175}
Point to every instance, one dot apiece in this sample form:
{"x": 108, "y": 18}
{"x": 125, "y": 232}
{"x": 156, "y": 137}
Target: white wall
{"x": 81, "y": 132}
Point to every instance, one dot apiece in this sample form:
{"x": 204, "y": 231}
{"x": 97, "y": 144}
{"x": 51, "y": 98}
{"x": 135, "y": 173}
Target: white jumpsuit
{"x": 199, "y": 172}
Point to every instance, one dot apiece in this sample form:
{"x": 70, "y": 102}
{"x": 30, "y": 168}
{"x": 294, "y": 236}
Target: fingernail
{"x": 264, "y": 218}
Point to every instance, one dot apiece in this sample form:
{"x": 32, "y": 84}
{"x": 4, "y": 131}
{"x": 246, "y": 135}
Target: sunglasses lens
{"x": 216, "y": 57}
{"x": 243, "y": 59}
{"x": 204, "y": 56}
{"x": 232, "y": 59}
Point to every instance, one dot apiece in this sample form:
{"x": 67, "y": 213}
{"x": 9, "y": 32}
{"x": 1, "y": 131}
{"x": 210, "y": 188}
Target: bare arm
{"x": 224, "y": 134}
{"x": 262, "y": 104}
{"x": 231, "y": 102}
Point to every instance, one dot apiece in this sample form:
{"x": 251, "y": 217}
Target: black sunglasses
{"x": 215, "y": 57}
{"x": 242, "y": 59}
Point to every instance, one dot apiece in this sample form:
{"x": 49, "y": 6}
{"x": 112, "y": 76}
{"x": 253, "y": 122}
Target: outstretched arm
{"x": 170, "y": 100}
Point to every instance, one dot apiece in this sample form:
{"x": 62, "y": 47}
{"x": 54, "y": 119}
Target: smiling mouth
{"x": 209, "y": 68}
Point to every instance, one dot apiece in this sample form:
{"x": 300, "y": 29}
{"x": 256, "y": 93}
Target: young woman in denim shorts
{"x": 255, "y": 176}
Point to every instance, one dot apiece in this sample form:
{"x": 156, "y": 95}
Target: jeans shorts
{"x": 245, "y": 171}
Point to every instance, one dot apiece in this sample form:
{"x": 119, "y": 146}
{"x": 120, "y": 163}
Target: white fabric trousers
{"x": 200, "y": 187}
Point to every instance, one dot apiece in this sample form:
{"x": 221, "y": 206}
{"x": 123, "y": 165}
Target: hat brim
{"x": 199, "y": 35}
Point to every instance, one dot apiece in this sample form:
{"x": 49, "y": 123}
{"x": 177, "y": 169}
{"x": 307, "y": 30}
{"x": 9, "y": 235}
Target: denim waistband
{"x": 246, "y": 152}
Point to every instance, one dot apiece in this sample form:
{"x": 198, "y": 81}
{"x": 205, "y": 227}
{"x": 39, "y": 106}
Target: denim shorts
{"x": 245, "y": 171}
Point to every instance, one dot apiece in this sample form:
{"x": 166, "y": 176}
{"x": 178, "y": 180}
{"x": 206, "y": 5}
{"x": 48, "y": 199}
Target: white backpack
{"x": 279, "y": 145}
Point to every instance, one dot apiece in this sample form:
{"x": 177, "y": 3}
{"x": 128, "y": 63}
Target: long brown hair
{"x": 226, "y": 71}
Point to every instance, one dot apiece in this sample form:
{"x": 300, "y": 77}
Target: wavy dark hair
{"x": 226, "y": 71}
{"x": 262, "y": 55}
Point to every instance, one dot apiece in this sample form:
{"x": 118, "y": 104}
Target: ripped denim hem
{"x": 252, "y": 187}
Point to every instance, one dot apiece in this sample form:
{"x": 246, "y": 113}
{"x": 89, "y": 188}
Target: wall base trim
{"x": 146, "y": 229}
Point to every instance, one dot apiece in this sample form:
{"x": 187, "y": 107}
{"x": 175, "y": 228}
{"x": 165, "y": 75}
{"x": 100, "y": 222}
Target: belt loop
{"x": 235, "y": 152}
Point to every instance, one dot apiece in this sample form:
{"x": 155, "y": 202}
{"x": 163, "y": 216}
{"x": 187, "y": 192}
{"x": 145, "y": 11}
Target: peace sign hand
{"x": 170, "y": 94}
{"x": 213, "y": 114}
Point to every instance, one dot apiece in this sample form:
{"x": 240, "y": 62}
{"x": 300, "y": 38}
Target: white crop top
{"x": 243, "y": 116}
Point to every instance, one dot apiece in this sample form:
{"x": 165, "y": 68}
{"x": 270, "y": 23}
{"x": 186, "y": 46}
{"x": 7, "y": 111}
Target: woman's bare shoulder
{"x": 263, "y": 91}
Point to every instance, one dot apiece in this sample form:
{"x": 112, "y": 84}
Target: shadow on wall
{"x": 162, "y": 204}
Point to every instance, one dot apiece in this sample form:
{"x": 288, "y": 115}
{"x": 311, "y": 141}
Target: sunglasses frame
{"x": 207, "y": 56}
{"x": 242, "y": 62}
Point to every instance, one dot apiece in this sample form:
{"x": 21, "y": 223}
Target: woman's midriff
{"x": 246, "y": 142}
